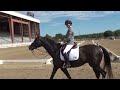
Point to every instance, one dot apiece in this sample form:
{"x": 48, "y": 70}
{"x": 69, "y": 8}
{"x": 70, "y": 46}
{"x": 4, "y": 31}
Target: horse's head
{"x": 36, "y": 43}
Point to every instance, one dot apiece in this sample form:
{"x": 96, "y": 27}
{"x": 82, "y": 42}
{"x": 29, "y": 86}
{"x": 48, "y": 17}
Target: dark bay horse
{"x": 91, "y": 54}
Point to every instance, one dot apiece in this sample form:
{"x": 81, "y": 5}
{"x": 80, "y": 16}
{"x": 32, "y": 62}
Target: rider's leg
{"x": 66, "y": 56}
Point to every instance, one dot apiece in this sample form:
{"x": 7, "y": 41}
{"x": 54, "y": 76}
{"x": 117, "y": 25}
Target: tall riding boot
{"x": 67, "y": 63}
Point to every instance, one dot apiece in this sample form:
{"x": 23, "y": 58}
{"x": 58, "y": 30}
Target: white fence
{"x": 25, "y": 61}
{"x": 14, "y": 44}
{"x": 114, "y": 57}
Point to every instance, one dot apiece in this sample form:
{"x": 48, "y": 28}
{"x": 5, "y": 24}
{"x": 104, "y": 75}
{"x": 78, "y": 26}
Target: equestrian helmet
{"x": 68, "y": 22}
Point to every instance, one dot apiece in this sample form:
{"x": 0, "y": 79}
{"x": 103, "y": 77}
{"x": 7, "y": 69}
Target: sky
{"x": 84, "y": 22}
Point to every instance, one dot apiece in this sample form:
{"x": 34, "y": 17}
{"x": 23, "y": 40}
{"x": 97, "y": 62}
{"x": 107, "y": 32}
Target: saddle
{"x": 73, "y": 53}
{"x": 64, "y": 45}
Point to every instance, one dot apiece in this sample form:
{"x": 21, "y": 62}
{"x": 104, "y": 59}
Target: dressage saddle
{"x": 64, "y": 45}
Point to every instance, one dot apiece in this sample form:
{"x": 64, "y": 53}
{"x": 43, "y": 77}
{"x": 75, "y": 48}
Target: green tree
{"x": 116, "y": 33}
{"x": 59, "y": 36}
{"x": 48, "y": 36}
{"x": 108, "y": 33}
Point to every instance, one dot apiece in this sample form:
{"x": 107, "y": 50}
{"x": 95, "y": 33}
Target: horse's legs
{"x": 53, "y": 72}
{"x": 104, "y": 70}
{"x": 96, "y": 73}
{"x": 66, "y": 72}
{"x": 100, "y": 70}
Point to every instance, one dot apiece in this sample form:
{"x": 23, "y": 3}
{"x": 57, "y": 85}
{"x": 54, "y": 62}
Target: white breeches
{"x": 67, "y": 48}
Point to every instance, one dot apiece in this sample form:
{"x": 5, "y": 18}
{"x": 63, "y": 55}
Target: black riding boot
{"x": 67, "y": 63}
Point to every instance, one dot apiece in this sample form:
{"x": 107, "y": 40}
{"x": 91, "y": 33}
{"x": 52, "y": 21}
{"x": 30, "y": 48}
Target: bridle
{"x": 40, "y": 54}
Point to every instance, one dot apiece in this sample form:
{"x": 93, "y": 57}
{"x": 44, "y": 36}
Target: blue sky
{"x": 84, "y": 22}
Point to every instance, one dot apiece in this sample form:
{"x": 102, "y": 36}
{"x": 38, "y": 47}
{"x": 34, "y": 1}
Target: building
{"x": 14, "y": 25}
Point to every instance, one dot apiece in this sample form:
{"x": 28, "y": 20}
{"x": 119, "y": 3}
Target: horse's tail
{"x": 107, "y": 63}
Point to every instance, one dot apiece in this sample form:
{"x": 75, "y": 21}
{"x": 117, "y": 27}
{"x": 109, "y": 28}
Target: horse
{"x": 90, "y": 53}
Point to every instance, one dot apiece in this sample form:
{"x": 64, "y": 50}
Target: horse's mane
{"x": 52, "y": 42}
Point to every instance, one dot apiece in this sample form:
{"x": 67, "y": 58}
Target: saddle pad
{"x": 73, "y": 55}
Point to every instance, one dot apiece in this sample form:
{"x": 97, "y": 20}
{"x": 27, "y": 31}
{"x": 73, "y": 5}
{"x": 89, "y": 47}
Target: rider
{"x": 70, "y": 42}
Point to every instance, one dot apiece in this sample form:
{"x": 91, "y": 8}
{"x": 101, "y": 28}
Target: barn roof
{"x": 13, "y": 13}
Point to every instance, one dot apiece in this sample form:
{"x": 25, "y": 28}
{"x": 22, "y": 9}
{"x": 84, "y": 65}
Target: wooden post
{"x": 39, "y": 28}
{"x": 34, "y": 29}
{"x": 21, "y": 29}
{"x": 29, "y": 31}
{"x": 11, "y": 27}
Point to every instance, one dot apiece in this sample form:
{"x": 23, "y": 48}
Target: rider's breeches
{"x": 67, "y": 48}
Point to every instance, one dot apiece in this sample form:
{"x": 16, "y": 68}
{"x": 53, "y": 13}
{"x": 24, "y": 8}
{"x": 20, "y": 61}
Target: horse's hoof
{"x": 104, "y": 75}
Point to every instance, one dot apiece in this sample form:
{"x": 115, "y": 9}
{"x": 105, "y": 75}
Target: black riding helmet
{"x": 68, "y": 22}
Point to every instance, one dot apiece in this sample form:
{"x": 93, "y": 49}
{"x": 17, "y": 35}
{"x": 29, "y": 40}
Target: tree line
{"x": 106, "y": 34}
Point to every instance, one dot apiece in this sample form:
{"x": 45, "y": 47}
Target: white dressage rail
{"x": 25, "y": 61}
{"x": 113, "y": 56}
{"x": 105, "y": 48}
{"x": 14, "y": 45}
{"x": 81, "y": 42}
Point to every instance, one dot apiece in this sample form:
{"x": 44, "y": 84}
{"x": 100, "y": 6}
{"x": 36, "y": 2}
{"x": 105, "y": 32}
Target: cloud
{"x": 48, "y": 16}
{"x": 55, "y": 24}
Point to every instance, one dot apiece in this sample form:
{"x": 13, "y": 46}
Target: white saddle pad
{"x": 73, "y": 55}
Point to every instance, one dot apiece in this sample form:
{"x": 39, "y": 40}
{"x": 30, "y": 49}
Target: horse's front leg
{"x": 53, "y": 72}
{"x": 66, "y": 72}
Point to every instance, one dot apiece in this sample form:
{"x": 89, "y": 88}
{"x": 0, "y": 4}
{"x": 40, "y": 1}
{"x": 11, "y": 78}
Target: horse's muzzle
{"x": 30, "y": 48}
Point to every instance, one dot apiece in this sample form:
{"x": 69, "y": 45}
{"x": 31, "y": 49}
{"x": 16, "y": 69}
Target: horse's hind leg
{"x": 100, "y": 70}
{"x": 97, "y": 69}
{"x": 66, "y": 72}
{"x": 97, "y": 73}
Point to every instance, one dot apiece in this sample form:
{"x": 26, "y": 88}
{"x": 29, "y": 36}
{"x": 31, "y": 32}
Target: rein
{"x": 40, "y": 54}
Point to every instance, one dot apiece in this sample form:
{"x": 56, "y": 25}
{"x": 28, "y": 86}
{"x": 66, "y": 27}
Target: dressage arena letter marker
{"x": 49, "y": 61}
{"x": 1, "y": 61}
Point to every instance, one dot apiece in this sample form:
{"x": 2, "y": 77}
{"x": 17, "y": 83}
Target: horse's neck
{"x": 51, "y": 42}
{"x": 48, "y": 48}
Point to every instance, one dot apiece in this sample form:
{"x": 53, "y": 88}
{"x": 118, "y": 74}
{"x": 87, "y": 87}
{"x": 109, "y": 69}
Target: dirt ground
{"x": 21, "y": 53}
{"x": 43, "y": 71}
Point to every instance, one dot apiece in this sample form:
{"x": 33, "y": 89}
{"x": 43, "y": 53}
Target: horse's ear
{"x": 37, "y": 35}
